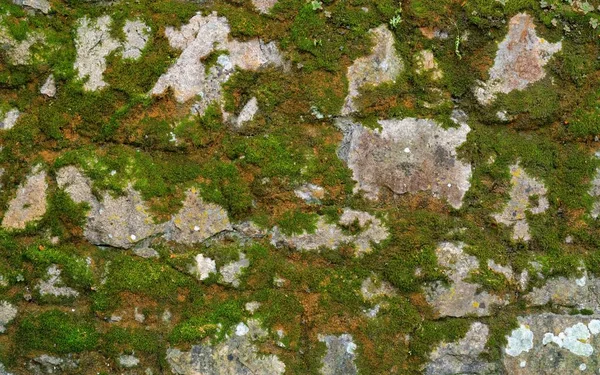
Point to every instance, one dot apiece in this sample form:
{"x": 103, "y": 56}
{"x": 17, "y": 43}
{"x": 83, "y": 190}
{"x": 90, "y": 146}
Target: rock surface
{"x": 264, "y": 6}
{"x": 461, "y": 297}
{"x": 204, "y": 267}
{"x": 523, "y": 187}
{"x": 41, "y": 5}
{"x": 52, "y": 285}
{"x": 568, "y": 293}
{"x": 231, "y": 272}
{"x": 30, "y": 202}
{"x": 10, "y": 119}
{"x": 47, "y": 364}
{"x": 520, "y": 60}
{"x": 49, "y": 87}
{"x": 137, "y": 34}
{"x": 408, "y": 155}
{"x": 19, "y": 51}
{"x": 381, "y": 66}
{"x": 595, "y": 192}
{"x": 8, "y": 312}
{"x": 426, "y": 63}
{"x": 340, "y": 355}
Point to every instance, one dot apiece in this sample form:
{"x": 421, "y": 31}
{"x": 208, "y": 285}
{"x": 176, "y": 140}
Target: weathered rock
{"x": 197, "y": 221}
{"x": 331, "y": 236}
{"x": 199, "y": 38}
{"x": 408, "y": 155}
{"x": 461, "y": 297}
{"x": 568, "y": 293}
{"x": 371, "y": 289}
{"x": 137, "y": 34}
{"x": 523, "y": 187}
{"x": 204, "y": 267}
{"x": 595, "y": 192}
{"x": 94, "y": 43}
{"x": 236, "y": 355}
{"x": 18, "y": 51}
{"x": 520, "y": 60}
{"x": 128, "y": 361}
{"x": 118, "y": 222}
{"x": 247, "y": 114}
{"x": 4, "y": 371}
{"x": 7, "y": 313}
{"x": 310, "y": 193}
{"x": 10, "y": 119}
{"x": 463, "y": 356}
{"x": 52, "y": 286}
{"x": 426, "y": 64}
{"x": 146, "y": 252}
{"x": 381, "y": 66}
{"x": 30, "y": 202}
{"x": 46, "y": 364}
{"x": 340, "y": 355}
{"x": 231, "y": 272}
{"x": 553, "y": 344}
{"x": 49, "y": 87}
{"x": 41, "y": 5}
{"x": 264, "y": 6}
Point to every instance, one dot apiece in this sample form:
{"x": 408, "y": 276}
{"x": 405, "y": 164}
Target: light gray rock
{"x": 30, "y": 201}
{"x": 128, "y": 360}
{"x": 41, "y": 5}
{"x": 264, "y": 6}
{"x": 52, "y": 285}
{"x": 331, "y": 236}
{"x": 520, "y": 60}
{"x": 49, "y": 87}
{"x": 19, "y": 52}
{"x": 340, "y": 355}
{"x": 460, "y": 298}
{"x": 146, "y": 252}
{"x": 310, "y": 193}
{"x": 547, "y": 344}
{"x": 46, "y": 364}
{"x": 381, "y": 66}
{"x": 237, "y": 354}
{"x": 231, "y": 272}
{"x": 10, "y": 119}
{"x": 463, "y": 356}
{"x": 197, "y": 220}
{"x": 568, "y": 293}
{"x": 8, "y": 312}
{"x": 4, "y": 371}
{"x": 372, "y": 289}
{"x": 408, "y": 155}
{"x": 93, "y": 43}
{"x": 426, "y": 63}
{"x": 204, "y": 267}
{"x": 595, "y": 192}
{"x": 523, "y": 187}
{"x": 247, "y": 114}
{"x": 137, "y": 34}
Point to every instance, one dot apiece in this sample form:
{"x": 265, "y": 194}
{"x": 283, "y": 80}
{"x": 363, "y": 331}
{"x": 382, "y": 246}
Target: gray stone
{"x": 247, "y": 114}
{"x": 41, "y": 5}
{"x": 52, "y": 286}
{"x": 128, "y": 361}
{"x": 19, "y": 52}
{"x": 49, "y": 87}
{"x": 381, "y": 66}
{"x": 30, "y": 201}
{"x": 520, "y": 60}
{"x": 340, "y": 355}
{"x": 310, "y": 193}
{"x": 264, "y": 6}
{"x": 237, "y": 354}
{"x": 197, "y": 221}
{"x": 331, "y": 236}
{"x": 146, "y": 252}
{"x": 426, "y": 64}
{"x": 4, "y": 371}
{"x": 463, "y": 356}
{"x": 523, "y": 187}
{"x": 7, "y": 313}
{"x": 568, "y": 293}
{"x": 408, "y": 155}
{"x": 460, "y": 298}
{"x": 46, "y": 364}
{"x": 372, "y": 289}
{"x": 547, "y": 344}
{"x": 137, "y": 34}
{"x": 231, "y": 272}
{"x": 93, "y": 43}
{"x": 10, "y": 119}
{"x": 204, "y": 267}
{"x": 595, "y": 192}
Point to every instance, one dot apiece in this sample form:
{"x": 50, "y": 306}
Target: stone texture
{"x": 520, "y": 60}
{"x": 462, "y": 356}
{"x": 93, "y": 43}
{"x": 461, "y": 297}
{"x": 204, "y": 267}
{"x": 247, "y": 114}
{"x": 231, "y": 272}
{"x": 198, "y": 39}
{"x": 47, "y": 364}
{"x": 331, "y": 236}
{"x": 52, "y": 285}
{"x": 523, "y": 187}
{"x": 340, "y": 355}
{"x": 49, "y": 87}
{"x": 18, "y": 51}
{"x": 595, "y": 192}
{"x": 4, "y": 371}
{"x": 372, "y": 289}
{"x": 408, "y": 155}
{"x": 237, "y": 354}
{"x": 137, "y": 34}
{"x": 426, "y": 64}
{"x": 568, "y": 293}
{"x": 29, "y": 203}
{"x": 8, "y": 312}
{"x": 547, "y": 344}
{"x": 264, "y": 6}
{"x": 41, "y": 5}
{"x": 381, "y": 66}
{"x": 310, "y": 193}
{"x": 128, "y": 360}
{"x": 10, "y": 119}
{"x": 197, "y": 221}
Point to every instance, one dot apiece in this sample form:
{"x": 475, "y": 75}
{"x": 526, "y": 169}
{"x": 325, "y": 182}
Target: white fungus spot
{"x": 133, "y": 237}
{"x": 582, "y": 367}
{"x": 407, "y": 150}
{"x": 241, "y": 329}
{"x": 196, "y": 228}
{"x": 523, "y": 364}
